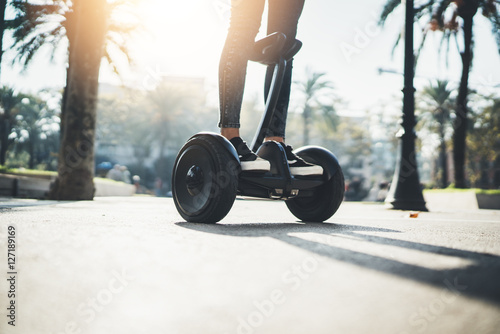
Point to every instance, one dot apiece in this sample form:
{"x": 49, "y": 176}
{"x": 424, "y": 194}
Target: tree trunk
{"x": 76, "y": 155}
{"x": 442, "y": 158}
{"x": 3, "y": 130}
{"x": 4, "y": 135}
{"x": 460, "y": 124}
{"x": 8, "y": 101}
{"x": 3, "y": 4}
{"x": 70, "y": 34}
{"x": 307, "y": 119}
{"x": 63, "y": 104}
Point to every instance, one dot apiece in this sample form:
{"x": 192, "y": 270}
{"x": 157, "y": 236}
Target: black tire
{"x": 326, "y": 199}
{"x": 204, "y": 180}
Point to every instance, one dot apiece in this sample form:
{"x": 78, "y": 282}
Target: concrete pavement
{"x": 131, "y": 265}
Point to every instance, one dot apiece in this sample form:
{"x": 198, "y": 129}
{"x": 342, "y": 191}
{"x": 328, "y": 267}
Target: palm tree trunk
{"x": 3, "y": 131}
{"x": 4, "y": 135}
{"x": 442, "y": 158}
{"x": 71, "y": 42}
{"x": 460, "y": 124}
{"x": 63, "y": 105}
{"x": 3, "y": 5}
{"x": 76, "y": 155}
{"x": 307, "y": 119}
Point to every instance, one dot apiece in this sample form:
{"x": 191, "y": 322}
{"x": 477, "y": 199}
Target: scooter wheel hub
{"x": 194, "y": 180}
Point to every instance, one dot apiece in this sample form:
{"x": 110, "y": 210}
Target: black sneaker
{"x": 249, "y": 161}
{"x": 298, "y": 166}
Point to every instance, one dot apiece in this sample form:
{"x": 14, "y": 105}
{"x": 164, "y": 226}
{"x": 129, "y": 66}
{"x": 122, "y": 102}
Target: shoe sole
{"x": 306, "y": 171}
{"x": 257, "y": 165}
{"x": 265, "y": 166}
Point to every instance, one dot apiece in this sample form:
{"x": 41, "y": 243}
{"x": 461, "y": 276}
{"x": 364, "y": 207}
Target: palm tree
{"x": 5, "y": 122}
{"x": 54, "y": 23}
{"x": 434, "y": 12}
{"x": 91, "y": 35}
{"x": 484, "y": 142}
{"x": 36, "y": 120}
{"x": 9, "y": 99}
{"x": 313, "y": 89}
{"x": 436, "y": 98}
{"x": 3, "y": 6}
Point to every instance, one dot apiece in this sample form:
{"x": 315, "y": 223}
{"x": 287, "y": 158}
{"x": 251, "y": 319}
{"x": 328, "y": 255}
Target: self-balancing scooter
{"x": 207, "y": 174}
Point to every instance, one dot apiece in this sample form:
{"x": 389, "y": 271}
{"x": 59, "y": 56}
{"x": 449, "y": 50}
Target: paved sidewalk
{"x": 131, "y": 265}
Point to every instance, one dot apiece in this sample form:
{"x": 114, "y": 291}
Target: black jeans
{"x": 246, "y": 16}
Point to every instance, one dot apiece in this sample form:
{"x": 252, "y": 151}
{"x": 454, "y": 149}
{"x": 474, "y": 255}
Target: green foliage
{"x": 19, "y": 159}
{"x": 483, "y": 142}
{"x": 4, "y": 169}
{"x": 153, "y": 125}
{"x": 433, "y": 108}
{"x": 176, "y": 112}
{"x": 459, "y": 190}
{"x": 441, "y": 15}
{"x": 9, "y": 100}
{"x": 389, "y": 7}
{"x": 52, "y": 23}
{"x": 318, "y": 103}
{"x": 349, "y": 141}
{"x": 34, "y": 133}
{"x": 27, "y": 172}
{"x": 91, "y": 30}
{"x": 37, "y": 24}
{"x": 484, "y": 137}
{"x": 488, "y": 191}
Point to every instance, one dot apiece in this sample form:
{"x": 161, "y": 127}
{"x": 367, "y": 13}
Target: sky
{"x": 341, "y": 38}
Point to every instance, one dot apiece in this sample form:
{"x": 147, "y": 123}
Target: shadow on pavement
{"x": 479, "y": 279}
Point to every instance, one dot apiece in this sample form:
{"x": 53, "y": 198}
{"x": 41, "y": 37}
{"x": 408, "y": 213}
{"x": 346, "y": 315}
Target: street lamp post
{"x": 405, "y": 192}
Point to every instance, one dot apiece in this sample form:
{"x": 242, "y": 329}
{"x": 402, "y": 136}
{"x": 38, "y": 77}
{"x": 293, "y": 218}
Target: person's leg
{"x": 283, "y": 17}
{"x": 246, "y": 16}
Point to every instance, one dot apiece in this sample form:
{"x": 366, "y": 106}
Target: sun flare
{"x": 177, "y": 35}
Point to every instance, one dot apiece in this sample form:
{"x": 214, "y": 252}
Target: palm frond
{"x": 393, "y": 51}
{"x": 27, "y": 50}
{"x": 389, "y": 7}
{"x": 424, "y": 9}
{"x": 9, "y": 98}
{"x": 30, "y": 45}
{"x": 494, "y": 17}
{"x": 49, "y": 23}
{"x": 444, "y": 39}
{"x": 123, "y": 28}
{"x": 10, "y": 24}
{"x": 420, "y": 11}
{"x": 34, "y": 26}
{"x": 111, "y": 63}
{"x": 438, "y": 13}
{"x": 118, "y": 33}
{"x": 330, "y": 116}
{"x": 421, "y": 46}
{"x": 118, "y": 42}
